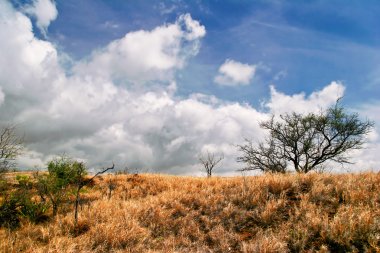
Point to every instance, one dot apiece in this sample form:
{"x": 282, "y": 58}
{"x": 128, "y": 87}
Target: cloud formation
{"x": 318, "y": 100}
{"x": 119, "y": 104}
{"x": 233, "y": 73}
{"x": 44, "y": 11}
{"x": 142, "y": 56}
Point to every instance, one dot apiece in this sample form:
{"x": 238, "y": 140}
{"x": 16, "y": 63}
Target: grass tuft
{"x": 269, "y": 213}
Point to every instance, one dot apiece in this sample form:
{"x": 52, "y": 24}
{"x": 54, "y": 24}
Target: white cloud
{"x": 89, "y": 116}
{"x": 44, "y": 11}
{"x": 30, "y": 70}
{"x": 142, "y": 55}
{"x": 367, "y": 158}
{"x": 193, "y": 28}
{"x": 364, "y": 159}
{"x": 110, "y": 25}
{"x": 281, "y": 103}
{"x": 232, "y": 73}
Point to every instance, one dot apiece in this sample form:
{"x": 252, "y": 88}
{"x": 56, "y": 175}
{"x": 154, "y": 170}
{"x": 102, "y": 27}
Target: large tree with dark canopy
{"x": 306, "y": 141}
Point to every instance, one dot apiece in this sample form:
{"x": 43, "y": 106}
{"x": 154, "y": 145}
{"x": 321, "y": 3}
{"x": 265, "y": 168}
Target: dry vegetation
{"x": 271, "y": 213}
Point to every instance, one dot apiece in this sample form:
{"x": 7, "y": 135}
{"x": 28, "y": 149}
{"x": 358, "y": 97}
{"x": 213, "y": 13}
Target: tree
{"x": 81, "y": 181}
{"x": 264, "y": 157}
{"x": 209, "y": 161}
{"x": 55, "y": 184}
{"x": 10, "y": 204}
{"x": 306, "y": 141}
{"x": 10, "y": 148}
{"x": 66, "y": 176}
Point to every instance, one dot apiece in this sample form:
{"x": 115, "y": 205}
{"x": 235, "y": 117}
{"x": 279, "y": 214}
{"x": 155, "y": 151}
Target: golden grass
{"x": 270, "y": 213}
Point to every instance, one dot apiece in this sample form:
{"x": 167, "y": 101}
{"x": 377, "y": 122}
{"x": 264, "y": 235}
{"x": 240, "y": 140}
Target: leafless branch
{"x": 209, "y": 161}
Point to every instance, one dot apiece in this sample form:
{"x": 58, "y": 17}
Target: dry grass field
{"x": 269, "y": 213}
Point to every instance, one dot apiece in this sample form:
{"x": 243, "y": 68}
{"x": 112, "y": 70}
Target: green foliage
{"x": 57, "y": 185}
{"x": 62, "y": 171}
{"x": 65, "y": 177}
{"x": 10, "y": 213}
{"x": 34, "y": 211}
{"x": 20, "y": 204}
{"x": 24, "y": 181}
{"x": 4, "y": 186}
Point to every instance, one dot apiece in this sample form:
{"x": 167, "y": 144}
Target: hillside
{"x": 158, "y": 213}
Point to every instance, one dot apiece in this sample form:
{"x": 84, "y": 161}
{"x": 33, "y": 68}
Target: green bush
{"x": 34, "y": 211}
{"x": 57, "y": 185}
{"x": 10, "y": 213}
{"x": 24, "y": 182}
{"x": 20, "y": 205}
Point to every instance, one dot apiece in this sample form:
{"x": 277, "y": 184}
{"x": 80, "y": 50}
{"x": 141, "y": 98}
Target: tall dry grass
{"x": 270, "y": 213}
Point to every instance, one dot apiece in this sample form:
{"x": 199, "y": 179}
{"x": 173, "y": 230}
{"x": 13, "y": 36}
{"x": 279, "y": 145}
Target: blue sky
{"x": 303, "y": 44}
{"x": 153, "y": 84}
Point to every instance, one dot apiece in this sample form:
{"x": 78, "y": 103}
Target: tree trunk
{"x": 77, "y": 199}
{"x": 55, "y": 208}
{"x": 109, "y": 192}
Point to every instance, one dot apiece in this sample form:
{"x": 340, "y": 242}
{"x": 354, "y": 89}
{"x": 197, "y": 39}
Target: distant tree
{"x": 209, "y": 161}
{"x": 10, "y": 148}
{"x": 306, "y": 141}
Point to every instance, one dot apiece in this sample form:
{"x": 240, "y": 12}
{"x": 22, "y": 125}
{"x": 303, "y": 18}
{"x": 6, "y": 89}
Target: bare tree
{"x": 81, "y": 181}
{"x": 209, "y": 161}
{"x": 306, "y": 141}
{"x": 10, "y": 148}
{"x": 111, "y": 185}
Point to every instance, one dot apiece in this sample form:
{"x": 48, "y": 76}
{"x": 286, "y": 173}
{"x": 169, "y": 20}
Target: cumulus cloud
{"x": 367, "y": 158}
{"x": 281, "y": 103}
{"x": 30, "y": 70}
{"x": 142, "y": 56}
{"x": 192, "y": 27}
{"x": 232, "y": 73}
{"x": 363, "y": 159}
{"x": 44, "y": 11}
{"x": 89, "y": 115}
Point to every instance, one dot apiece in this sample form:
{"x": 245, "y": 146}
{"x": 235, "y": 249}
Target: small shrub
{"x": 24, "y": 182}
{"x": 34, "y": 212}
{"x": 9, "y": 213}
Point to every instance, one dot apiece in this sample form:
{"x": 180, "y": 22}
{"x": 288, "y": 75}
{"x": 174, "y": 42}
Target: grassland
{"x": 269, "y": 213}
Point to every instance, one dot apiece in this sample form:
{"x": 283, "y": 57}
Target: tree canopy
{"x": 306, "y": 141}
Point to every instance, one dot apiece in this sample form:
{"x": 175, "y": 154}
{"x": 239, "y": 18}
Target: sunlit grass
{"x": 270, "y": 213}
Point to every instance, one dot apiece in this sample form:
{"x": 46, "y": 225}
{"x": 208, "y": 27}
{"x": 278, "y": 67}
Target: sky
{"x": 154, "y": 84}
